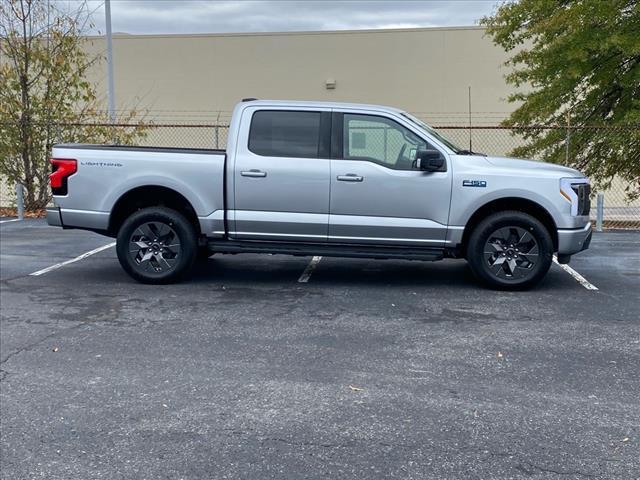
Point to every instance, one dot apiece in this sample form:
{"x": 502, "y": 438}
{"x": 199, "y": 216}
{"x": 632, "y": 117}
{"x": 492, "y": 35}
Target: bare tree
{"x": 44, "y": 94}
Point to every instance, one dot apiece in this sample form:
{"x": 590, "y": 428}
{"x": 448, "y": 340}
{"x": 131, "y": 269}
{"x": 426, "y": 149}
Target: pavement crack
{"x": 554, "y": 471}
{"x": 33, "y": 345}
{"x": 309, "y": 444}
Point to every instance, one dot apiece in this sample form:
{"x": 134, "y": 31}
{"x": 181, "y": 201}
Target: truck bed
{"x": 105, "y": 173}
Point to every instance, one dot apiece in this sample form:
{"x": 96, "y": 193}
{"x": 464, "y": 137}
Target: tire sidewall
{"x": 184, "y": 230}
{"x": 477, "y": 240}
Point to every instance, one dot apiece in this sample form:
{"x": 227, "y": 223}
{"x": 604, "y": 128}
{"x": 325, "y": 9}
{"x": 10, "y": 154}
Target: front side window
{"x": 280, "y": 133}
{"x": 424, "y": 126}
{"x": 380, "y": 140}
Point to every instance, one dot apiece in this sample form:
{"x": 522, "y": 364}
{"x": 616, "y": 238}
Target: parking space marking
{"x": 306, "y": 275}
{"x": 73, "y": 260}
{"x": 12, "y": 220}
{"x": 579, "y": 278}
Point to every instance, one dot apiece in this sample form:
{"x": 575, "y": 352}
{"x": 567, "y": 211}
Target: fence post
{"x": 599, "y": 211}
{"x": 217, "y": 139}
{"x": 568, "y": 141}
{"x": 20, "y": 200}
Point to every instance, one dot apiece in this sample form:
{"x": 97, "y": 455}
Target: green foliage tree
{"x": 576, "y": 63}
{"x": 45, "y": 97}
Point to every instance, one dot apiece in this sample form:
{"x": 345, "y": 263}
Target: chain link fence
{"x": 620, "y": 211}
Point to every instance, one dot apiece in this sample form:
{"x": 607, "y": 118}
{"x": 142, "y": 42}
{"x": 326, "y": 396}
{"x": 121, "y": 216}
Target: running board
{"x": 327, "y": 250}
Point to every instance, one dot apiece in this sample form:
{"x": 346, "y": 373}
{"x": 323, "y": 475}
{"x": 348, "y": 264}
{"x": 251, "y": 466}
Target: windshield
{"x": 424, "y": 126}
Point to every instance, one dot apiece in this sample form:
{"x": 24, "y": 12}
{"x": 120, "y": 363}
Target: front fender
{"x": 464, "y": 204}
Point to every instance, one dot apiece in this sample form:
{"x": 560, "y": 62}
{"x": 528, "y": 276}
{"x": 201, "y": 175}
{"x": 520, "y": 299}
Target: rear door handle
{"x": 253, "y": 173}
{"x": 350, "y": 177}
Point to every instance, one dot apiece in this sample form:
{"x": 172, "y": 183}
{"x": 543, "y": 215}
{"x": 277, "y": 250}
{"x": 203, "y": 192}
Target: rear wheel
{"x": 157, "y": 245}
{"x": 510, "y": 250}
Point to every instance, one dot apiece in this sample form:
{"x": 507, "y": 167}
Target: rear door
{"x": 377, "y": 193}
{"x": 281, "y": 175}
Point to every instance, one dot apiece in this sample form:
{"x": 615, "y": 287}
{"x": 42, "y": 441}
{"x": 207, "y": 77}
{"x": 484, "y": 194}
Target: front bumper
{"x": 53, "y": 217}
{"x": 574, "y": 240}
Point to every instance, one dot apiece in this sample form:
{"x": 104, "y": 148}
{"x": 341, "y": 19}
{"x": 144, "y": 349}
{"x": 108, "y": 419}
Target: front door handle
{"x": 253, "y": 173}
{"x": 350, "y": 177}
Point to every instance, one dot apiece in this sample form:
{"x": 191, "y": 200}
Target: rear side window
{"x": 280, "y": 133}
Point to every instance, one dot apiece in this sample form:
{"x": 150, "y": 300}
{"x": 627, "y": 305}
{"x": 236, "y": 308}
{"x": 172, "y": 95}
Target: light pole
{"x": 111, "y": 93}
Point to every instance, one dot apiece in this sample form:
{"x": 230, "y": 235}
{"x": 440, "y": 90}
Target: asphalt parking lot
{"x": 370, "y": 369}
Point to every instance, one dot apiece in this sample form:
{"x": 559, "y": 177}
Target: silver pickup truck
{"x": 333, "y": 179}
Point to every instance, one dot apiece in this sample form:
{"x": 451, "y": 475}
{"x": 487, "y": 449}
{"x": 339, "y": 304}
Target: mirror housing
{"x": 429, "y": 160}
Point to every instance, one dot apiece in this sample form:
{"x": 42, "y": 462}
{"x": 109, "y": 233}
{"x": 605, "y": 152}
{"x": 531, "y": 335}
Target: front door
{"x": 281, "y": 176}
{"x": 377, "y": 194}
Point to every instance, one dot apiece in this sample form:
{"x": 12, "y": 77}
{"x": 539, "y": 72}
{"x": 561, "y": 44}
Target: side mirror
{"x": 429, "y": 160}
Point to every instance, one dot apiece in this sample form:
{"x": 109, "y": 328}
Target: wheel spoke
{"x": 139, "y": 244}
{"x": 146, "y": 231}
{"x": 155, "y": 228}
{"x": 511, "y": 266}
{"x": 160, "y": 261}
{"x": 173, "y": 250}
{"x": 503, "y": 234}
{"x": 499, "y": 261}
{"x": 169, "y": 262}
{"x": 144, "y": 259}
{"x": 163, "y": 229}
{"x": 524, "y": 236}
{"x": 495, "y": 246}
{"x": 497, "y": 266}
{"x": 522, "y": 271}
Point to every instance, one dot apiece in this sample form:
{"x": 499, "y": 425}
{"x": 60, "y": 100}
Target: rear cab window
{"x": 285, "y": 133}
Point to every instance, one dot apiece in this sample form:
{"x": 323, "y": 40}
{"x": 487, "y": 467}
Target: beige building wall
{"x": 426, "y": 71}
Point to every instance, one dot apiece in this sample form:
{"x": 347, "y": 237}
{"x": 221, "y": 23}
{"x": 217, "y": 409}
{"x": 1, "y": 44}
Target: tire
{"x": 510, "y": 250}
{"x": 157, "y": 245}
{"x": 203, "y": 254}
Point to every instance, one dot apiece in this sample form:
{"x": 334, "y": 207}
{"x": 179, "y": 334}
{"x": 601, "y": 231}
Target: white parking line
{"x": 579, "y": 278}
{"x": 12, "y": 220}
{"x": 78, "y": 258}
{"x": 306, "y": 275}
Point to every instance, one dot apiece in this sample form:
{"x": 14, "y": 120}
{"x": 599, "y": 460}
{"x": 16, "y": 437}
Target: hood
{"x": 534, "y": 167}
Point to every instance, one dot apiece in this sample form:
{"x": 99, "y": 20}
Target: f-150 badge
{"x": 474, "y": 183}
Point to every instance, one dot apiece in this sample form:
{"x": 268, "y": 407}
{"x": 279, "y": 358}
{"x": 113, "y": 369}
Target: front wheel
{"x": 510, "y": 250}
{"x": 157, "y": 245}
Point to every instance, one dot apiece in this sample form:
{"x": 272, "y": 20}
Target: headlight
{"x": 576, "y": 191}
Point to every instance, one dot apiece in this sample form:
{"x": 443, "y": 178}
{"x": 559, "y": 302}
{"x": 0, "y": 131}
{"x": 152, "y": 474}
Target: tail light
{"x": 63, "y": 168}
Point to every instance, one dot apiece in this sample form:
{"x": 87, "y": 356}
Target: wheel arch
{"x": 150, "y": 196}
{"x": 511, "y": 203}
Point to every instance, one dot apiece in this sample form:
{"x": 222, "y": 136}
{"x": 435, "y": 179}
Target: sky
{"x": 223, "y": 16}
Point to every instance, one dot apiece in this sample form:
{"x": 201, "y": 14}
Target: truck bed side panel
{"x": 105, "y": 174}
